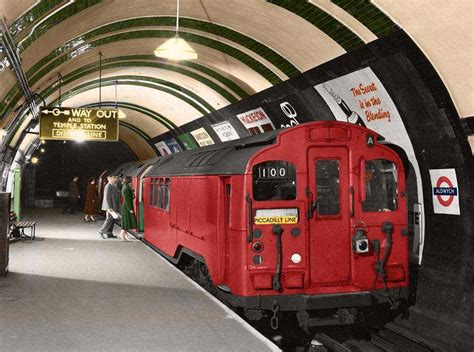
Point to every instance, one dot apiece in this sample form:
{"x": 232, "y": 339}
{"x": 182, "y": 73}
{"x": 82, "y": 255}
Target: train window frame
{"x": 264, "y": 183}
{"x": 376, "y": 179}
{"x": 320, "y": 206}
{"x": 160, "y": 193}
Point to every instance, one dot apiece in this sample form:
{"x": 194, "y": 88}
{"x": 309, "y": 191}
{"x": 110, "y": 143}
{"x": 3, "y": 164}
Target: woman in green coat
{"x": 128, "y": 216}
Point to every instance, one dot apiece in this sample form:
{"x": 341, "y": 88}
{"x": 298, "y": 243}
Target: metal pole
{"x": 177, "y": 16}
{"x": 15, "y": 62}
{"x": 60, "y": 82}
{"x": 100, "y": 79}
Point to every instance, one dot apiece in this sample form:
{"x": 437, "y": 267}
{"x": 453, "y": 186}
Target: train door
{"x": 223, "y": 233}
{"x": 328, "y": 215}
{"x": 140, "y": 207}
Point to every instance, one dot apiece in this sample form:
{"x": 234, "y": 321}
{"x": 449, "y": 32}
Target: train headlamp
{"x": 360, "y": 242}
{"x": 296, "y": 258}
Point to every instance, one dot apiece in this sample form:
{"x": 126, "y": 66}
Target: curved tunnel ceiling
{"x": 244, "y": 47}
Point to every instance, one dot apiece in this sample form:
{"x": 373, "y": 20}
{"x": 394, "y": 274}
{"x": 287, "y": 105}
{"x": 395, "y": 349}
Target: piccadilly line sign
{"x": 79, "y": 124}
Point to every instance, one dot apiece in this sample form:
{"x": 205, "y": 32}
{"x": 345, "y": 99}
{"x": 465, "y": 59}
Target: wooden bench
{"x": 17, "y": 228}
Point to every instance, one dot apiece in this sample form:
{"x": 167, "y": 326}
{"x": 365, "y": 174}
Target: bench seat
{"x": 17, "y": 228}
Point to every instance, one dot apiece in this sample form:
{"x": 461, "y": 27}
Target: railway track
{"x": 384, "y": 340}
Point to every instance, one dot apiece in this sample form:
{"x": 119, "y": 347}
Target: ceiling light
{"x": 78, "y": 135}
{"x": 176, "y": 48}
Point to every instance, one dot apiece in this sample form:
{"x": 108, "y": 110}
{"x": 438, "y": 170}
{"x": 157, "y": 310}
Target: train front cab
{"x": 328, "y": 224}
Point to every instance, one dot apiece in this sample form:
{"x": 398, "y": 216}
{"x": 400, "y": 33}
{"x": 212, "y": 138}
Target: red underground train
{"x": 310, "y": 220}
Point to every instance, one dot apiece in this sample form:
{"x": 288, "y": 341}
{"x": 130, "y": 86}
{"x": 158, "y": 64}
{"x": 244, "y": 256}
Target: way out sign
{"x": 444, "y": 185}
{"x": 79, "y": 124}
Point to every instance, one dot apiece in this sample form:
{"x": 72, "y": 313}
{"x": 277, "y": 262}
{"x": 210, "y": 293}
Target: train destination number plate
{"x": 276, "y": 216}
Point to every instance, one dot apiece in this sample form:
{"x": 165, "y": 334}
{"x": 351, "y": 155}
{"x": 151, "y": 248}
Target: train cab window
{"x": 274, "y": 180}
{"x": 380, "y": 186}
{"x": 327, "y": 187}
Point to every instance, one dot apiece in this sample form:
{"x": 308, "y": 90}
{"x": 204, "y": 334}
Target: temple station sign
{"x": 79, "y": 124}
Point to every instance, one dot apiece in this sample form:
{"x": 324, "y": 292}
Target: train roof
{"x": 136, "y": 169}
{"x": 228, "y": 158}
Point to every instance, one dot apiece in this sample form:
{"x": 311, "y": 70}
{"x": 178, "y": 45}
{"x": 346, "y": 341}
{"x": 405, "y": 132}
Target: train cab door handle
{"x": 312, "y": 205}
{"x": 362, "y": 180}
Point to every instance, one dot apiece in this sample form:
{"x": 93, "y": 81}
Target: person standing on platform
{"x": 91, "y": 201}
{"x": 128, "y": 216}
{"x": 73, "y": 196}
{"x": 111, "y": 205}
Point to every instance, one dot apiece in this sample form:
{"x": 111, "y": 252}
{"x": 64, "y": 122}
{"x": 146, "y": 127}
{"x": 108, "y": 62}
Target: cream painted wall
{"x": 443, "y": 30}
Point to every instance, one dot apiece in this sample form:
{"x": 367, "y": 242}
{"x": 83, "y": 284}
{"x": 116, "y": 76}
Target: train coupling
{"x": 343, "y": 316}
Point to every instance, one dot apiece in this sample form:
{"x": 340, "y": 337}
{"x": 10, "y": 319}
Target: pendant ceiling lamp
{"x": 176, "y": 48}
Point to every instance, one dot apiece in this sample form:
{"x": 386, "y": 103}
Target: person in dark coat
{"x": 91, "y": 201}
{"x": 73, "y": 196}
{"x": 111, "y": 204}
{"x": 128, "y": 216}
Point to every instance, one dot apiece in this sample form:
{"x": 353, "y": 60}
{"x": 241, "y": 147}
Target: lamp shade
{"x": 176, "y": 48}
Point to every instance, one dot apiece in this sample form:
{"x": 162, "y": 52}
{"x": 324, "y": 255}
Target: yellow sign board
{"x": 276, "y": 216}
{"x": 79, "y": 124}
{"x": 276, "y": 220}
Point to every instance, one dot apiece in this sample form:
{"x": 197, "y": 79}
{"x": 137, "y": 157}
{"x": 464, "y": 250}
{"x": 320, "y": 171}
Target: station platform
{"x": 70, "y": 290}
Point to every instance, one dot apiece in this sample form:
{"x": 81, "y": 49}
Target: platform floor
{"x": 70, "y": 290}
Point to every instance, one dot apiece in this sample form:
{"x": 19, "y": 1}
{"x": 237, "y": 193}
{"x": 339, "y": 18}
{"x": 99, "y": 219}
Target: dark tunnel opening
{"x": 59, "y": 161}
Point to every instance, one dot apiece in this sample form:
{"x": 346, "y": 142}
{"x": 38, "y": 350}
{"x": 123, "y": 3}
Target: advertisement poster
{"x": 163, "y": 148}
{"x": 445, "y": 191}
{"x": 287, "y": 112}
{"x": 225, "y": 131}
{"x": 173, "y": 145}
{"x": 360, "y": 98}
{"x": 256, "y": 121}
{"x": 202, "y": 137}
{"x": 188, "y": 141}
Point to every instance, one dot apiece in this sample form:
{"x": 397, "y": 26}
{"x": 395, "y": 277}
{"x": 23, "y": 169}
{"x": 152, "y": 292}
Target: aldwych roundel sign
{"x": 79, "y": 124}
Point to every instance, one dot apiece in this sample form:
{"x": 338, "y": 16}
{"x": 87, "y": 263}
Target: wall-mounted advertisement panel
{"x": 225, "y": 131}
{"x": 288, "y": 111}
{"x": 256, "y": 121}
{"x": 173, "y": 145}
{"x": 445, "y": 191}
{"x": 360, "y": 98}
{"x": 202, "y": 137}
{"x": 188, "y": 141}
{"x": 79, "y": 124}
{"x": 163, "y": 148}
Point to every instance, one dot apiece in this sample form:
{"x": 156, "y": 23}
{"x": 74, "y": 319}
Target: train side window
{"x": 155, "y": 192}
{"x": 152, "y": 191}
{"x": 166, "y": 194}
{"x": 150, "y": 198}
{"x": 163, "y": 193}
{"x": 161, "y": 190}
{"x": 380, "y": 186}
{"x": 274, "y": 180}
{"x": 327, "y": 187}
